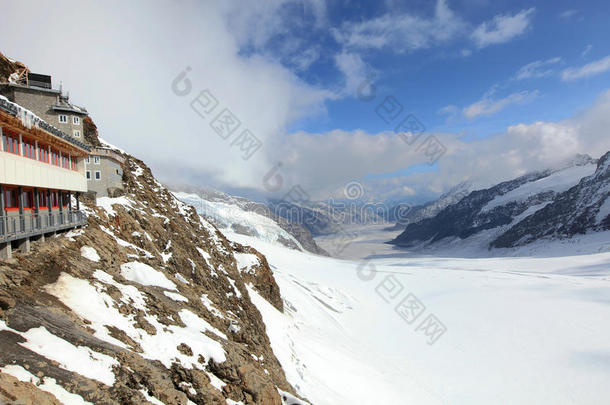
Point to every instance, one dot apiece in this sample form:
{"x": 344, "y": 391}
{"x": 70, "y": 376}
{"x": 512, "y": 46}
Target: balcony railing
{"x": 13, "y": 227}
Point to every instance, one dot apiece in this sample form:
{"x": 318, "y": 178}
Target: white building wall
{"x": 19, "y": 170}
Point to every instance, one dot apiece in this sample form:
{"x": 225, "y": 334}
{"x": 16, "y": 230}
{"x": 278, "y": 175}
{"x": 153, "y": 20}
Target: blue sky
{"x": 457, "y": 72}
{"x": 506, "y": 86}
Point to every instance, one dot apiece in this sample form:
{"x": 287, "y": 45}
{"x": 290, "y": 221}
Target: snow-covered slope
{"x": 249, "y": 218}
{"x": 227, "y": 216}
{"x": 518, "y": 330}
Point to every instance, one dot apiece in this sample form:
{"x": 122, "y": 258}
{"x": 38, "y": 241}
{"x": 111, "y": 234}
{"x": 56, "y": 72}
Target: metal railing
{"x": 14, "y": 227}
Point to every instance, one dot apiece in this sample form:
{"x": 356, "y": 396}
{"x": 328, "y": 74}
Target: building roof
{"x": 24, "y": 87}
{"x": 30, "y": 120}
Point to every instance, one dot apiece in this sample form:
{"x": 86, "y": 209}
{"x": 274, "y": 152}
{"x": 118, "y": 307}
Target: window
{"x": 55, "y": 199}
{"x": 55, "y": 158}
{"x": 65, "y": 162}
{"x": 29, "y": 149}
{"x": 96, "y": 160}
{"x": 98, "y": 175}
{"x": 10, "y": 141}
{"x": 76, "y": 134}
{"x": 74, "y": 163}
{"x": 63, "y": 119}
{"x": 11, "y": 200}
{"x": 76, "y": 120}
{"x": 28, "y": 199}
{"x": 43, "y": 153}
{"x": 87, "y": 160}
{"x": 65, "y": 199}
{"x": 88, "y": 174}
{"x": 42, "y": 199}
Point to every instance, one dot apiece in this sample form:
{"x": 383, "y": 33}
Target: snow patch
{"x": 81, "y": 359}
{"x": 92, "y": 303}
{"x": 144, "y": 274}
{"x": 47, "y": 384}
{"x": 246, "y": 262}
{"x": 89, "y": 253}
{"x": 209, "y": 305}
{"x": 175, "y": 296}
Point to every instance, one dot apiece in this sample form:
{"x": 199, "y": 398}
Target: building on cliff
{"x": 35, "y": 92}
{"x": 104, "y": 170}
{"x": 41, "y": 168}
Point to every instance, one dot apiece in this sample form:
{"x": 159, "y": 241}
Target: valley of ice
{"x": 519, "y": 330}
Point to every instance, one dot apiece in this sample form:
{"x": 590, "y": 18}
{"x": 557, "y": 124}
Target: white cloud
{"x": 353, "y": 69}
{"x": 591, "y": 69}
{"x": 254, "y": 23}
{"x": 586, "y": 50}
{"x": 123, "y": 76}
{"x": 522, "y": 148}
{"x": 323, "y": 163}
{"x": 566, "y": 15}
{"x": 502, "y": 28}
{"x": 488, "y": 105}
{"x": 402, "y": 32}
{"x": 537, "y": 69}
{"x": 303, "y": 60}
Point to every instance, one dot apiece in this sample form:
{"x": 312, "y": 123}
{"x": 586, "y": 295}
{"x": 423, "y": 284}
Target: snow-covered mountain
{"x": 581, "y": 209}
{"x": 249, "y": 218}
{"x": 431, "y": 208}
{"x": 485, "y": 215}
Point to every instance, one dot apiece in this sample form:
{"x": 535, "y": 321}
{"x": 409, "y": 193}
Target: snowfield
{"x": 441, "y": 330}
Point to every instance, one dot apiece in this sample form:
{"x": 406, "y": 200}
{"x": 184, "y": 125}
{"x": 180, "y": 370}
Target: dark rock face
{"x": 152, "y": 228}
{"x": 90, "y": 132}
{"x": 576, "y": 211}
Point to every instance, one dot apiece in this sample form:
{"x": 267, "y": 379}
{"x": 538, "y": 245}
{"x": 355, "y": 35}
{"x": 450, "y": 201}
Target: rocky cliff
{"x": 146, "y": 304}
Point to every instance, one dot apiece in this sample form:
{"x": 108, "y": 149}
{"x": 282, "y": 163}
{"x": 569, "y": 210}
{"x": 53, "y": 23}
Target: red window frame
{"x": 43, "y": 153}
{"x": 74, "y": 163}
{"x": 10, "y": 141}
{"x": 11, "y": 198}
{"x": 54, "y": 199}
{"x": 55, "y": 161}
{"x": 28, "y": 199}
{"x": 29, "y": 148}
{"x": 42, "y": 199}
{"x": 65, "y": 198}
